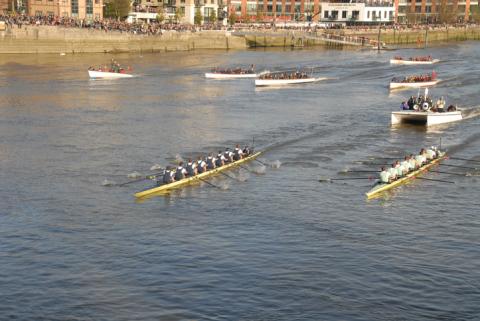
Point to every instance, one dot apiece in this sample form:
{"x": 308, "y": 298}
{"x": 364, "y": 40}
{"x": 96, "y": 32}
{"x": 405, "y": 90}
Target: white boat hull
{"x": 214, "y": 75}
{"x": 283, "y": 82}
{"x": 107, "y": 75}
{"x": 396, "y": 85}
{"x": 426, "y": 118}
{"x": 412, "y": 62}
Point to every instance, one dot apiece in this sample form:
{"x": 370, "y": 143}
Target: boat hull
{"x": 283, "y": 82}
{"x": 194, "y": 179}
{"x": 396, "y": 85}
{"x": 213, "y": 75}
{"x": 412, "y": 62}
{"x": 381, "y": 188}
{"x": 425, "y": 118}
{"x": 93, "y": 74}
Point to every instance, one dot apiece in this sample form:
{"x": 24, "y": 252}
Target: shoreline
{"x": 61, "y": 40}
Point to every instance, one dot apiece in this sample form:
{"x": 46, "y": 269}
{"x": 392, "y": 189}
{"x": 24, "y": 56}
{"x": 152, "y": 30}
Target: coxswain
{"x": 191, "y": 168}
{"x": 384, "y": 176}
{"x": 168, "y": 176}
{"x": 228, "y": 155}
{"x": 210, "y": 162}
{"x": 237, "y": 153}
{"x": 220, "y": 161}
{"x": 180, "y": 172}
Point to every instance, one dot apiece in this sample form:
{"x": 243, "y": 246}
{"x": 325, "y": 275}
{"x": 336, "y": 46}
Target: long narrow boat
{"x": 413, "y": 62}
{"x": 380, "y": 188}
{"x": 95, "y": 74}
{"x": 194, "y": 179}
{"x": 283, "y": 82}
{"x": 417, "y": 84}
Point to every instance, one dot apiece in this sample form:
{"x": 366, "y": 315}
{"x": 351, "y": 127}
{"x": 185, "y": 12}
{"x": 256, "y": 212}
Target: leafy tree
{"x": 232, "y": 18}
{"x": 213, "y": 16}
{"x": 197, "y": 19}
{"x": 160, "y": 15}
{"x": 117, "y": 9}
{"x": 260, "y": 15}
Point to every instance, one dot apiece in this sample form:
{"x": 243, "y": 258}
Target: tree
{"x": 178, "y": 15}
{"x": 117, "y": 9}
{"x": 213, "y": 16}
{"x": 197, "y": 19}
{"x": 446, "y": 12}
{"x": 259, "y": 16}
{"x": 160, "y": 15}
{"x": 475, "y": 14}
{"x": 232, "y": 18}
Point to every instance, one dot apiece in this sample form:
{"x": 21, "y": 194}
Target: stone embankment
{"x": 50, "y": 39}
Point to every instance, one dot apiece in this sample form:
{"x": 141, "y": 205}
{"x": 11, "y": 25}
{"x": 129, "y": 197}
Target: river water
{"x": 275, "y": 244}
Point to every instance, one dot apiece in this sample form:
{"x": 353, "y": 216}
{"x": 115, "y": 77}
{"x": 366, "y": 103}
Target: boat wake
{"x": 107, "y": 182}
{"x": 276, "y": 164}
{"x": 134, "y": 175}
{"x": 471, "y": 112}
{"x": 156, "y": 167}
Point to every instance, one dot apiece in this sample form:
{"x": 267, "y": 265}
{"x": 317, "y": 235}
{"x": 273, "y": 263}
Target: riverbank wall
{"x": 50, "y": 39}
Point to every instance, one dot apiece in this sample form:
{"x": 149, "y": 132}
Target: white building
{"x": 361, "y": 12}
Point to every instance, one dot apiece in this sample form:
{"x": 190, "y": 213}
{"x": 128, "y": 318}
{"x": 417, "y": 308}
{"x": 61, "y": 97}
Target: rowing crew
{"x": 202, "y": 165}
{"x": 410, "y": 163}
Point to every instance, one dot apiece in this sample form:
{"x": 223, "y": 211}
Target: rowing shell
{"x": 189, "y": 180}
{"x": 380, "y": 188}
{"x": 413, "y": 62}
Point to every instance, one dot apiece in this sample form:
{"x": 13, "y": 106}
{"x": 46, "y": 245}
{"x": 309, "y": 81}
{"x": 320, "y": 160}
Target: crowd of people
{"x": 236, "y": 70}
{"x": 417, "y": 58}
{"x": 285, "y": 75}
{"x": 203, "y": 164}
{"x": 416, "y": 78}
{"x": 409, "y": 164}
{"x": 422, "y": 103}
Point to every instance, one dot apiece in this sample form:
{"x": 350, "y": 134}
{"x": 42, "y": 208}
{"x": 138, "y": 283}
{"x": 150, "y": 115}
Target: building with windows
{"x": 81, "y": 9}
{"x": 275, "y": 10}
{"x": 371, "y": 12}
{"x": 435, "y": 11}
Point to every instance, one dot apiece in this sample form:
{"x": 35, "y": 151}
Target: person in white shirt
{"x": 228, "y": 155}
{"x": 393, "y": 172}
{"x": 384, "y": 176}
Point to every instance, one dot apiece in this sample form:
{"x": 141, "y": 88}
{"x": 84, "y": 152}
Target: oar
{"x": 435, "y": 180}
{"x": 245, "y": 168}
{"x": 260, "y": 162}
{"x": 450, "y": 173}
{"x": 465, "y": 159}
{"x": 362, "y": 171}
{"x": 342, "y": 179}
{"x": 141, "y": 179}
{"x": 225, "y": 174}
{"x": 205, "y": 181}
{"x": 464, "y": 167}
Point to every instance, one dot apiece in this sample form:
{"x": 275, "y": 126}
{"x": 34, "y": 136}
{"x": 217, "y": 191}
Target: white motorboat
{"x": 95, "y": 74}
{"x": 420, "y": 84}
{"x": 283, "y": 82}
{"x": 427, "y": 118}
{"x": 413, "y": 62}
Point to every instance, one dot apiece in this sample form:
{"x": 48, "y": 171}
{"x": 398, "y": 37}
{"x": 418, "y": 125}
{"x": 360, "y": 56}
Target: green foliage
{"x": 232, "y": 18}
{"x": 197, "y": 19}
{"x": 260, "y": 14}
{"x": 475, "y": 14}
{"x": 160, "y": 15}
{"x": 213, "y": 16}
{"x": 117, "y": 9}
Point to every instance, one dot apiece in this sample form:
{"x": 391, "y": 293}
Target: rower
{"x": 228, "y": 155}
{"x": 210, "y": 162}
{"x": 384, "y": 176}
{"x": 168, "y": 176}
{"x": 405, "y": 164}
{"x": 399, "y": 169}
{"x": 201, "y": 165}
{"x": 392, "y": 171}
{"x": 180, "y": 172}
{"x": 413, "y": 162}
{"x": 421, "y": 158}
{"x": 220, "y": 161}
{"x": 237, "y": 153}
{"x": 431, "y": 153}
{"x": 246, "y": 151}
{"x": 191, "y": 168}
